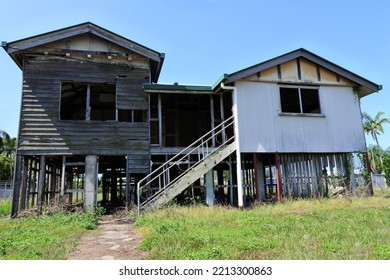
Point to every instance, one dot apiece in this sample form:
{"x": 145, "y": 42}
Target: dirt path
{"x": 115, "y": 238}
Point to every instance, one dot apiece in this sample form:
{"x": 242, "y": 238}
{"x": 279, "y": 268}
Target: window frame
{"x": 88, "y": 102}
{"x": 301, "y": 113}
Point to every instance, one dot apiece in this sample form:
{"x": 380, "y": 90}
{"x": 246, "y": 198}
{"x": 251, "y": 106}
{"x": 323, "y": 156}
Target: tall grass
{"x": 5, "y": 208}
{"x": 303, "y": 229}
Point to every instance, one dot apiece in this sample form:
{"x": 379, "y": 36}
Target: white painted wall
{"x": 262, "y": 129}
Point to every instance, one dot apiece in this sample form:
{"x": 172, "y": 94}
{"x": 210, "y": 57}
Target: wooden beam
{"x": 256, "y": 177}
{"x": 279, "y": 72}
{"x": 299, "y": 69}
{"x": 318, "y": 73}
{"x": 41, "y": 182}
{"x": 277, "y": 160}
{"x": 212, "y": 119}
{"x": 231, "y": 180}
{"x": 16, "y": 187}
{"x": 88, "y": 104}
{"x": 63, "y": 175}
{"x": 160, "y": 137}
{"x": 23, "y": 184}
{"x": 222, "y": 116}
{"x": 128, "y": 178}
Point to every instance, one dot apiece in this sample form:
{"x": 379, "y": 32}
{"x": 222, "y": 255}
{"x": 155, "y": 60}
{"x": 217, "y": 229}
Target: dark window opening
{"x": 132, "y": 115}
{"x": 73, "y": 101}
{"x": 289, "y": 98}
{"x": 299, "y": 100}
{"x": 102, "y": 102}
{"x": 85, "y": 101}
{"x": 310, "y": 101}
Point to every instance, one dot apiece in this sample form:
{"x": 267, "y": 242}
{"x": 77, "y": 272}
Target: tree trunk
{"x": 379, "y": 151}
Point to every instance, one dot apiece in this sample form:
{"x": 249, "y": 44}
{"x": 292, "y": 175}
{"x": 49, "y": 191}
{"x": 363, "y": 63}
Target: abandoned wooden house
{"x": 94, "y": 119}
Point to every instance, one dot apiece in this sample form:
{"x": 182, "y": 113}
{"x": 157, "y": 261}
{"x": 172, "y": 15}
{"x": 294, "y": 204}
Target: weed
{"x": 5, "y": 208}
{"x": 44, "y": 237}
{"x": 300, "y": 229}
{"x": 383, "y": 252}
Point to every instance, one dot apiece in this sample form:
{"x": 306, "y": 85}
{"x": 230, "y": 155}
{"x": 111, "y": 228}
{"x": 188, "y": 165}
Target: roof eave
{"x": 370, "y": 86}
{"x": 87, "y": 27}
{"x": 176, "y": 88}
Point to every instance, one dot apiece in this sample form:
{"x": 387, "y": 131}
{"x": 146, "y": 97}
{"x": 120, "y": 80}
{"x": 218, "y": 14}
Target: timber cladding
{"x": 42, "y": 131}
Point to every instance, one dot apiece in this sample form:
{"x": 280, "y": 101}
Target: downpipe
{"x": 240, "y": 191}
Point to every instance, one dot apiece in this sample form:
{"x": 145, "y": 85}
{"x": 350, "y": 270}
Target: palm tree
{"x": 4, "y": 137}
{"x": 374, "y": 127}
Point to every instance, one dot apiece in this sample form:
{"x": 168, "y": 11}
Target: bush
{"x": 5, "y": 166}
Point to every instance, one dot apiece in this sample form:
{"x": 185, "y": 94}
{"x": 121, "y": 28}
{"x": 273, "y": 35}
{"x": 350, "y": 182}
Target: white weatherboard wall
{"x": 262, "y": 129}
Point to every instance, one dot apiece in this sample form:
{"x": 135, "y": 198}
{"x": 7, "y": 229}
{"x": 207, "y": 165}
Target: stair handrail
{"x": 190, "y": 149}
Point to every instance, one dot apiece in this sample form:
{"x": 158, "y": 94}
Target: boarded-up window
{"x": 300, "y": 100}
{"x": 87, "y": 101}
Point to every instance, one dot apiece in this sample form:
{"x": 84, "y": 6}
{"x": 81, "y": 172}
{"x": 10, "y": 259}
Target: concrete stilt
{"x": 91, "y": 181}
{"x": 209, "y": 183}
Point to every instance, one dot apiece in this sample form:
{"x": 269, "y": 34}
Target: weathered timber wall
{"x": 41, "y": 130}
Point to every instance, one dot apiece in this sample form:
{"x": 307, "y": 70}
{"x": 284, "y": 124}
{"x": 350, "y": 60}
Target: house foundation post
{"x": 255, "y": 168}
{"x": 209, "y": 184}
{"x": 259, "y": 178}
{"x": 16, "y": 187}
{"x": 91, "y": 181}
{"x": 352, "y": 179}
{"x": 41, "y": 183}
{"x": 277, "y": 166}
{"x": 23, "y": 186}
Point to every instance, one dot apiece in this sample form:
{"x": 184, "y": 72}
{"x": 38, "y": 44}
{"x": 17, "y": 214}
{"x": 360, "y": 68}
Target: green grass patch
{"x": 305, "y": 229}
{"x": 5, "y": 208}
{"x": 45, "y": 237}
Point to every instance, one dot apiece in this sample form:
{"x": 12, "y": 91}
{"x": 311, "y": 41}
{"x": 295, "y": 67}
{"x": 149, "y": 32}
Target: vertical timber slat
{"x": 277, "y": 176}
{"x": 41, "y": 182}
{"x": 16, "y": 187}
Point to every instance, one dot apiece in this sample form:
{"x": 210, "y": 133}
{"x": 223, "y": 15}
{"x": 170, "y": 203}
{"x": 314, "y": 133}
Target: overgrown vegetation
{"x": 45, "y": 237}
{"x": 355, "y": 228}
{"x": 5, "y": 208}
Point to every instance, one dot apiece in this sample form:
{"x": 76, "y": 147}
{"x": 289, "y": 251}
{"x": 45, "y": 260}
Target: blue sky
{"x": 204, "y": 39}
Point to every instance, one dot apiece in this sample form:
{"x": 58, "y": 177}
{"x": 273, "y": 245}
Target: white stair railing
{"x": 159, "y": 181}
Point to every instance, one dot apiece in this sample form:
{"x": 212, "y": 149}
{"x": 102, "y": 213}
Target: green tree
{"x": 7, "y": 155}
{"x": 386, "y": 166}
{"x": 374, "y": 126}
{"x": 4, "y": 137}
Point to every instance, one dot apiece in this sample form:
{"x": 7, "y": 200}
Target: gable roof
{"x": 15, "y": 48}
{"x": 367, "y": 87}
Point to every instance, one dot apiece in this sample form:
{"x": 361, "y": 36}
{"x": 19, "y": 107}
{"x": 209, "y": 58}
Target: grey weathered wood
{"x": 160, "y": 126}
{"x": 23, "y": 186}
{"x": 16, "y": 187}
{"x": 42, "y": 132}
{"x": 41, "y": 182}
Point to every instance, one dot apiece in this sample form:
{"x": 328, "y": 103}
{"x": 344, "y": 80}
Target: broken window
{"x": 88, "y": 101}
{"x": 303, "y": 100}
